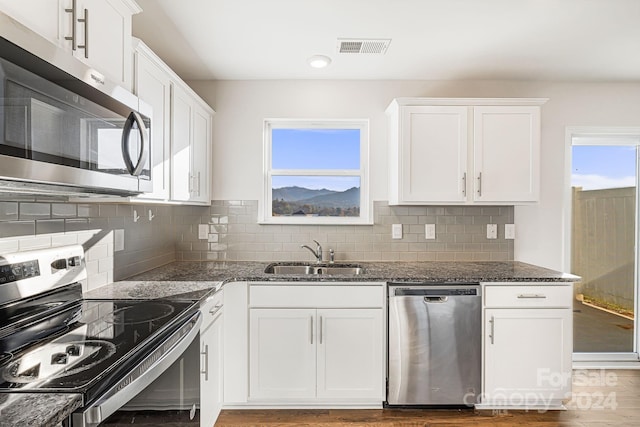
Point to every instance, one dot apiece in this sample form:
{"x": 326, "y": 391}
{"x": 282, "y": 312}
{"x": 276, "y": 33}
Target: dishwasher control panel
{"x": 435, "y": 290}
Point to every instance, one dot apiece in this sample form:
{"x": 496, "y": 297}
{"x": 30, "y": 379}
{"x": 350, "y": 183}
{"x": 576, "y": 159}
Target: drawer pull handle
{"x": 538, "y": 296}
{"x": 215, "y": 309}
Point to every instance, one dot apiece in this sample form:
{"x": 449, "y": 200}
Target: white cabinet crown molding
{"x": 133, "y": 6}
{"x": 140, "y": 46}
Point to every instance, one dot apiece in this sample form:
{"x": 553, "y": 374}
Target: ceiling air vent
{"x": 378, "y": 46}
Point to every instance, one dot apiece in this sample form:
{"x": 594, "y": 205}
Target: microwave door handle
{"x": 144, "y": 144}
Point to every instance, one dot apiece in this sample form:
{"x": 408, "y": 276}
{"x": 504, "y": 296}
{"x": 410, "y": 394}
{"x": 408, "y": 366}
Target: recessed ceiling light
{"x": 319, "y": 61}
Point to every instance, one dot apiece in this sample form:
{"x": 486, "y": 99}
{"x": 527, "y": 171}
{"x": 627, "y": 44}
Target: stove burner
{"x": 147, "y": 312}
{"x": 41, "y": 364}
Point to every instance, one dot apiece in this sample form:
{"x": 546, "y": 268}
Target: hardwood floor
{"x": 600, "y": 398}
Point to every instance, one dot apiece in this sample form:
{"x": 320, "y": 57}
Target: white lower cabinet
{"x": 211, "y": 363}
{"x": 282, "y": 361}
{"x": 349, "y": 357}
{"x": 527, "y": 346}
{"x": 314, "y": 353}
{"x": 308, "y": 354}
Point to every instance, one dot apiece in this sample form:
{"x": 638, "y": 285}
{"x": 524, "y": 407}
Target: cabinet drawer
{"x": 211, "y": 308}
{"x": 528, "y": 296}
{"x": 312, "y": 296}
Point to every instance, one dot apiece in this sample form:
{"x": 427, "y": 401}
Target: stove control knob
{"x": 59, "y": 264}
{"x": 73, "y": 350}
{"x": 74, "y": 261}
{"x": 59, "y": 359}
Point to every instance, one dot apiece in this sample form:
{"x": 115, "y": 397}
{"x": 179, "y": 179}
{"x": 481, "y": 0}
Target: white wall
{"x": 242, "y": 105}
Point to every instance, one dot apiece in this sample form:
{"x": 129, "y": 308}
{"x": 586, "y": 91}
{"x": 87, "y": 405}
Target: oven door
{"x": 141, "y": 375}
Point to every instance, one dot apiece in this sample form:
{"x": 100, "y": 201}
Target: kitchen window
{"x": 316, "y": 172}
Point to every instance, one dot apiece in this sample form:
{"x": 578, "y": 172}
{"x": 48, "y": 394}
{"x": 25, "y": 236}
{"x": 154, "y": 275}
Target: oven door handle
{"x": 141, "y": 376}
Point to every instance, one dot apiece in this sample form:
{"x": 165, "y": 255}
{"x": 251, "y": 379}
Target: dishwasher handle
{"x": 438, "y": 300}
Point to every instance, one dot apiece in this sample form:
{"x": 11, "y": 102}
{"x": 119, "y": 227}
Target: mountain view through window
{"x": 315, "y": 172}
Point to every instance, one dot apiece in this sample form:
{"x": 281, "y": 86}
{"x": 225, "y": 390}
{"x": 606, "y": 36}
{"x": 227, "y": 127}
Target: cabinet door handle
{"x": 534, "y": 296}
{"x": 492, "y": 330}
{"x": 480, "y": 184}
{"x": 85, "y": 20}
{"x": 464, "y": 184}
{"x": 72, "y": 38}
{"x": 320, "y": 326}
{"x": 205, "y": 371}
{"x": 198, "y": 183}
{"x": 311, "y": 328}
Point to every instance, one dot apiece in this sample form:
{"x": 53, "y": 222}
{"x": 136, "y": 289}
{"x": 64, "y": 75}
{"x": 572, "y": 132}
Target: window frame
{"x": 266, "y": 202}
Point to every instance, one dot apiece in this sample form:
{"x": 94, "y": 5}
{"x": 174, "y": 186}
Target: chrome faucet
{"x": 317, "y": 253}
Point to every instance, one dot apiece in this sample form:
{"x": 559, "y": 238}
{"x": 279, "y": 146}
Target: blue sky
{"x": 596, "y": 167}
{"x": 323, "y": 149}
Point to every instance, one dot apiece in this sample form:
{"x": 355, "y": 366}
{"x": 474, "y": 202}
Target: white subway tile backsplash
{"x": 40, "y": 242}
{"x": 8, "y": 246}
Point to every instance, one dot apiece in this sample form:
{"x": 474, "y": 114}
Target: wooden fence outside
{"x": 603, "y": 241}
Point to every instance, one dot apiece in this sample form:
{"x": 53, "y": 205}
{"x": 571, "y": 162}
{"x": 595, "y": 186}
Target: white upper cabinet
{"x": 190, "y": 147}
{"x": 181, "y": 132}
{"x": 106, "y": 35}
{"x": 200, "y": 162}
{"x": 506, "y": 153}
{"x": 98, "y": 32}
{"x": 462, "y": 151}
{"x": 433, "y": 162}
{"x": 153, "y": 85}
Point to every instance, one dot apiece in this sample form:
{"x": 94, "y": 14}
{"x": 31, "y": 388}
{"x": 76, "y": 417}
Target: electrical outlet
{"x": 203, "y": 231}
{"x": 510, "y": 231}
{"x": 430, "y": 231}
{"x": 118, "y": 244}
{"x": 396, "y": 231}
{"x": 492, "y": 231}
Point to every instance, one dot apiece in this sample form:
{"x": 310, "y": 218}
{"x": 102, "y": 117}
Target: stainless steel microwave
{"x": 64, "y": 128}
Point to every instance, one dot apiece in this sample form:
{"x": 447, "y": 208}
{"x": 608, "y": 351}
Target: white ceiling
{"x": 584, "y": 40}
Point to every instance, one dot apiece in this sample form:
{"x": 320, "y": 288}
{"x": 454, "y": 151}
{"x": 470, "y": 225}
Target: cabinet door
{"x": 282, "y": 354}
{"x": 200, "y": 155}
{"x": 506, "y": 153}
{"x": 211, "y": 383}
{"x": 153, "y": 86}
{"x": 433, "y": 154}
{"x": 181, "y": 113}
{"x": 108, "y": 38}
{"x": 45, "y": 17}
{"x": 350, "y": 354}
{"x": 527, "y": 356}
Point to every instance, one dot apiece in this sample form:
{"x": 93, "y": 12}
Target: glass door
{"x": 604, "y": 235}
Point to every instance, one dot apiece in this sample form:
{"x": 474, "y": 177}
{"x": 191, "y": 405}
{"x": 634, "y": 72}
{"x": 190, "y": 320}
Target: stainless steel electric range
{"x": 53, "y": 341}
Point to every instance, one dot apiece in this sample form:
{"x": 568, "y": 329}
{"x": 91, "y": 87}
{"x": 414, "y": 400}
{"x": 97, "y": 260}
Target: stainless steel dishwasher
{"x": 434, "y": 344}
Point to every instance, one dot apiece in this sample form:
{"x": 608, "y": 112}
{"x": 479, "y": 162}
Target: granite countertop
{"x": 193, "y": 280}
{"x": 37, "y": 409}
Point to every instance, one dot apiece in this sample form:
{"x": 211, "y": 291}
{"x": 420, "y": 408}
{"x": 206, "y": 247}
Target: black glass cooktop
{"x": 79, "y": 348}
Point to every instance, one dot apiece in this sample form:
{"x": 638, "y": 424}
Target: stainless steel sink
{"x": 315, "y": 269}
